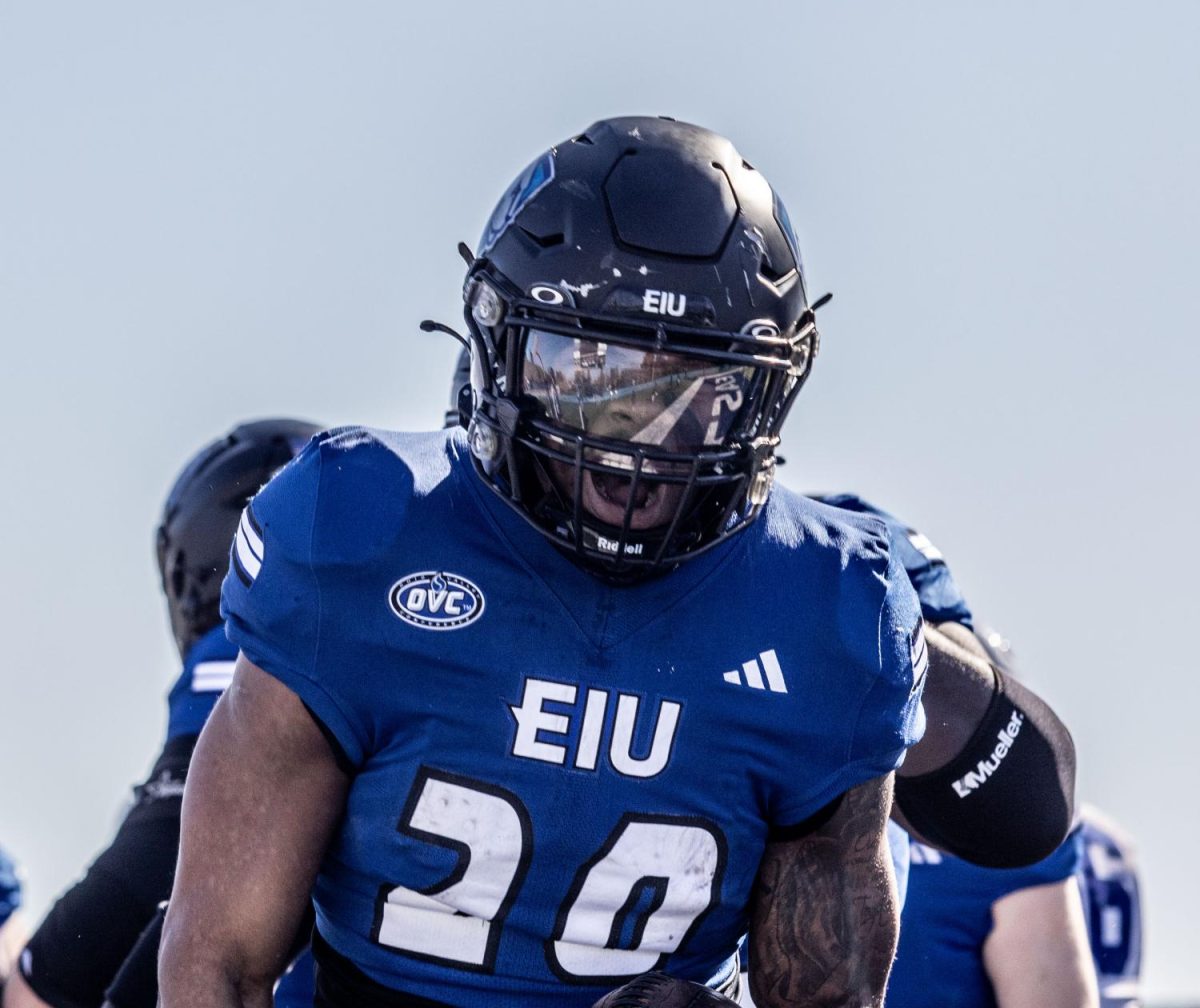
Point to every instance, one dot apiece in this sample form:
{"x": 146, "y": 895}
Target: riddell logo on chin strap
{"x": 613, "y": 545}
{"x": 975, "y": 779}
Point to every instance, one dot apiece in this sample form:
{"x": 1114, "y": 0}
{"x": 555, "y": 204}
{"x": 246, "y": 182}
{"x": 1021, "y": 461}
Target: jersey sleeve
{"x": 1108, "y": 877}
{"x": 1065, "y": 861}
{"x": 890, "y": 717}
{"x": 939, "y": 594}
{"x": 271, "y": 597}
{"x": 875, "y": 713}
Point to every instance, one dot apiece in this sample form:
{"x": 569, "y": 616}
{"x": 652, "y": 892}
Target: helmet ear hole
{"x": 160, "y": 552}
{"x": 179, "y": 574}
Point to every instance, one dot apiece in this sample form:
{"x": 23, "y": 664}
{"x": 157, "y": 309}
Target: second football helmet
{"x": 202, "y": 512}
{"x": 639, "y": 328}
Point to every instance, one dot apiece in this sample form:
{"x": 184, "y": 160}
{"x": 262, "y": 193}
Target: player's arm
{"x": 993, "y": 779}
{"x": 1037, "y": 952}
{"x": 959, "y": 687}
{"x": 262, "y": 798}
{"x": 824, "y": 916}
{"x": 13, "y": 934}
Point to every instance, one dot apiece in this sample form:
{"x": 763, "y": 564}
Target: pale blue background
{"x": 211, "y": 211}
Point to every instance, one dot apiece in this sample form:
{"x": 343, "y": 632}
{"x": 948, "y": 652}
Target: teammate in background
{"x": 1112, "y": 907}
{"x": 12, "y": 923}
{"x": 77, "y": 950}
{"x": 478, "y": 700}
{"x": 974, "y": 937}
{"x": 1050, "y": 933}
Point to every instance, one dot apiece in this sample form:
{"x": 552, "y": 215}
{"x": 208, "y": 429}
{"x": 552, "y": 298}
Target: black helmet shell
{"x": 640, "y": 203}
{"x": 657, "y": 237}
{"x": 202, "y": 512}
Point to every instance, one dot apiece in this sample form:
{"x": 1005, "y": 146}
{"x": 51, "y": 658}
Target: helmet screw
{"x": 486, "y": 306}
{"x": 760, "y": 486}
{"x": 485, "y": 446}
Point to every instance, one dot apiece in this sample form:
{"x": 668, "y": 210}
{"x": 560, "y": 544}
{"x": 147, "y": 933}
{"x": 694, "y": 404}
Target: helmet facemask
{"x": 633, "y": 444}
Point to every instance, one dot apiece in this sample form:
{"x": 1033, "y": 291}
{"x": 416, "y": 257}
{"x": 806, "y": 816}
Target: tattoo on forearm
{"x": 824, "y": 917}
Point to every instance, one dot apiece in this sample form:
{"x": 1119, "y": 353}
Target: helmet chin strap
{"x": 599, "y": 538}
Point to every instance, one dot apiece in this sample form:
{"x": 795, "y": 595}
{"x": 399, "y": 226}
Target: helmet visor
{"x": 667, "y": 400}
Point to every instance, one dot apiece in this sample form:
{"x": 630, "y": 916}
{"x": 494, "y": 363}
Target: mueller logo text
{"x": 436, "y": 600}
{"x": 975, "y": 779}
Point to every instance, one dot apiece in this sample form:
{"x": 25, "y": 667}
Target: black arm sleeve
{"x": 136, "y": 982}
{"x": 88, "y": 933}
{"x": 1008, "y": 798}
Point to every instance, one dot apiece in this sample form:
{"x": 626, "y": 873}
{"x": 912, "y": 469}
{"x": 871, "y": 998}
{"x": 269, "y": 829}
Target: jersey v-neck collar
{"x": 605, "y": 614}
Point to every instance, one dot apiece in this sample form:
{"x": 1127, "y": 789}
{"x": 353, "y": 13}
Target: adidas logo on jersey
{"x": 761, "y": 673}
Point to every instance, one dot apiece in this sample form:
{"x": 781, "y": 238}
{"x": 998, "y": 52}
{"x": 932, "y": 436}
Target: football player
{"x": 976, "y": 937}
{"x": 77, "y": 950}
{"x": 1022, "y": 809}
{"x": 1108, "y": 878}
{"x": 1065, "y": 931}
{"x": 12, "y": 924}
{"x": 480, "y": 698}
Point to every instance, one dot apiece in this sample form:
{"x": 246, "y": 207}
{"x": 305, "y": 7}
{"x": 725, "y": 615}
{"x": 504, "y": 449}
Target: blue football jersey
{"x": 1108, "y": 878}
{"x": 941, "y": 600}
{"x": 207, "y": 670}
{"x": 10, "y": 887}
{"x": 560, "y": 783}
{"x": 297, "y": 987}
{"x": 948, "y": 916}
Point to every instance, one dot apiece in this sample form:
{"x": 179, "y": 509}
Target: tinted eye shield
{"x": 671, "y": 401}
{"x": 496, "y": 305}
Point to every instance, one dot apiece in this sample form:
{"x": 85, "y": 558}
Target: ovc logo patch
{"x": 436, "y": 600}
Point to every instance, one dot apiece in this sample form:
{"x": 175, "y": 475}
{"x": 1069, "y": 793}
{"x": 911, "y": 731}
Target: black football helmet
{"x": 639, "y": 328}
{"x": 202, "y": 512}
{"x": 658, "y": 990}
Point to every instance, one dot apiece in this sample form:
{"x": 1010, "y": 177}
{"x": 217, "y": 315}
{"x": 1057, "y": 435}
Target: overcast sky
{"x": 232, "y": 209}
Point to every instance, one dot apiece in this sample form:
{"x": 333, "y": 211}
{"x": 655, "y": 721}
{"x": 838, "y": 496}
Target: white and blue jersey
{"x": 947, "y": 918}
{"x": 560, "y": 783}
{"x": 207, "y": 670}
{"x": 1112, "y": 905}
{"x": 10, "y": 888}
{"x": 296, "y": 988}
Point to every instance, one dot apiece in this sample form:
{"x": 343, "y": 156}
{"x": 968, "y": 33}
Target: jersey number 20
{"x": 629, "y": 906}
